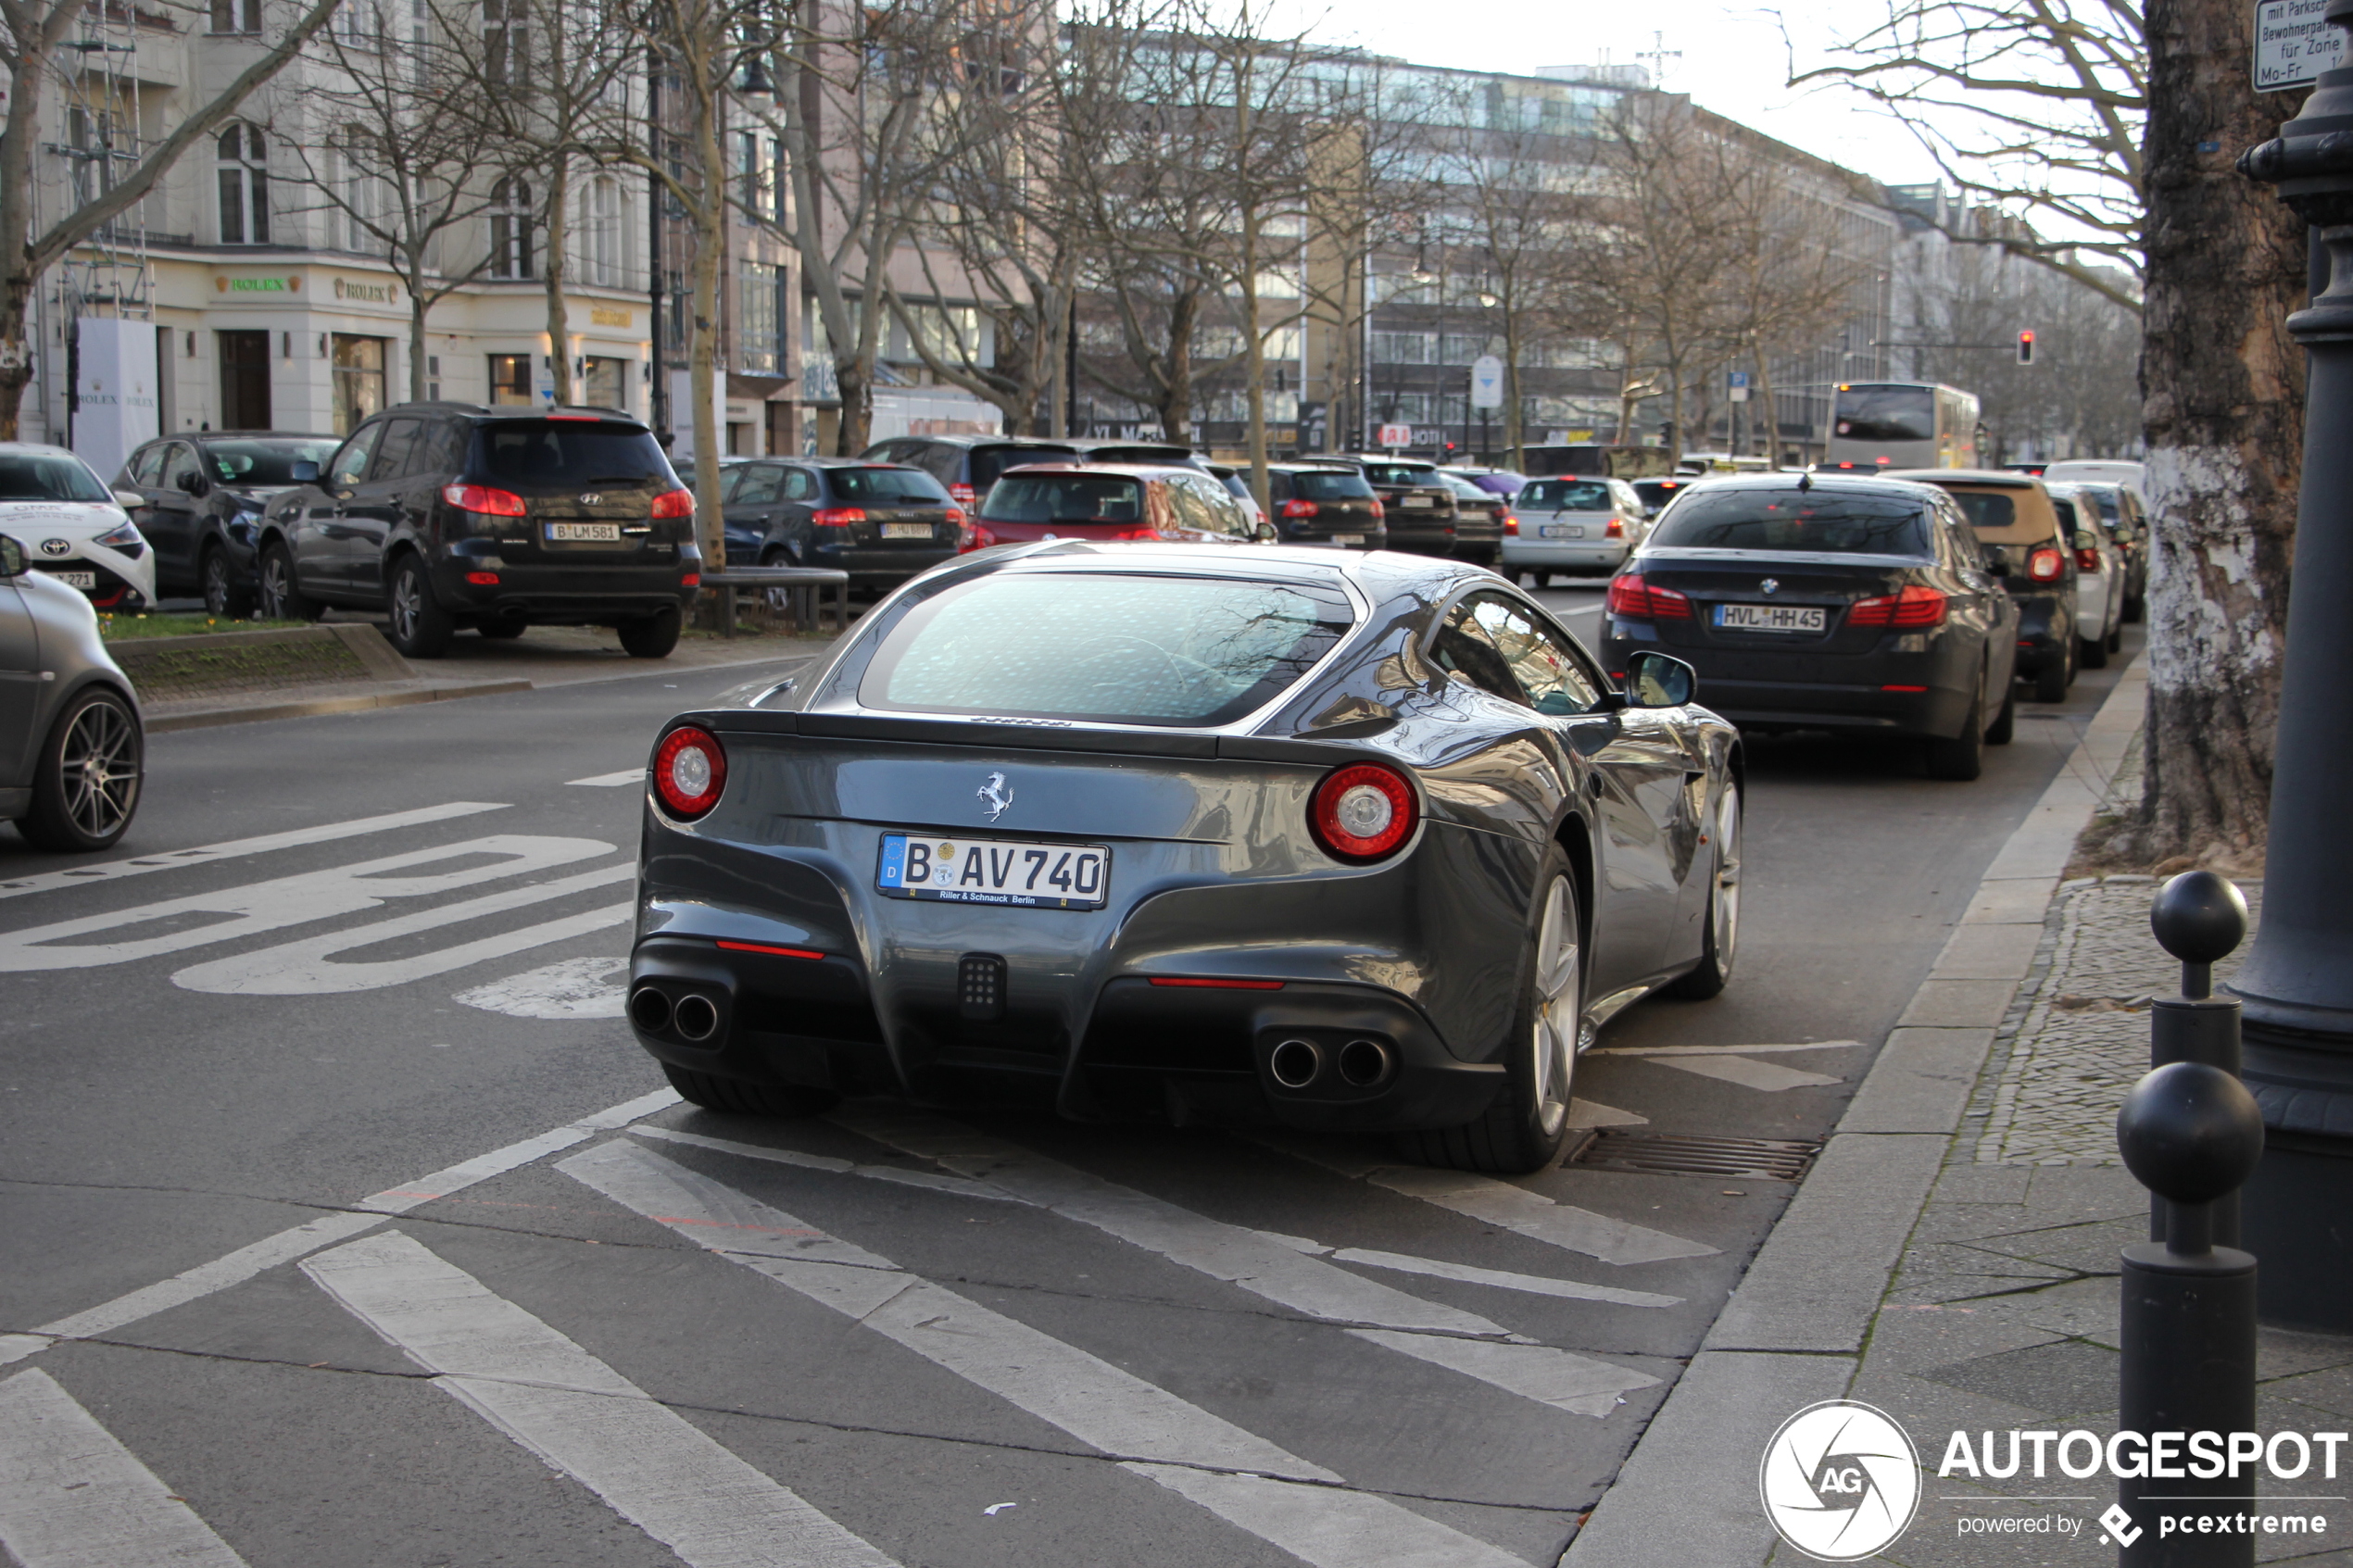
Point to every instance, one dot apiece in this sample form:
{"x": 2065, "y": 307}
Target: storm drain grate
{"x": 1763, "y": 1159}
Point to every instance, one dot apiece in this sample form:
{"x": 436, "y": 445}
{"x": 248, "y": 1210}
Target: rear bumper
{"x": 1597, "y": 555}
{"x": 1926, "y": 692}
{"x": 563, "y": 595}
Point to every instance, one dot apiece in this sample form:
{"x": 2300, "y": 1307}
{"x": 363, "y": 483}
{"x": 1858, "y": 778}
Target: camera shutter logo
{"x": 1840, "y": 1481}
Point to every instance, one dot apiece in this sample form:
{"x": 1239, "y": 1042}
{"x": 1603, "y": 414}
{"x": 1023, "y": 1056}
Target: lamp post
{"x": 2296, "y": 986}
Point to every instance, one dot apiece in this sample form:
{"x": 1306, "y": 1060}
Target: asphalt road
{"x": 311, "y": 1143}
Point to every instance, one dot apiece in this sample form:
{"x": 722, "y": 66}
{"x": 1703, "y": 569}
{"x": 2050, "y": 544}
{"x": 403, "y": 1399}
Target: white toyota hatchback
{"x": 72, "y": 527}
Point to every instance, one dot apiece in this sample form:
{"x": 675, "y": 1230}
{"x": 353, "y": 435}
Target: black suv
{"x": 447, "y": 515}
{"x": 968, "y": 465}
{"x": 1422, "y": 516}
{"x": 201, "y": 498}
{"x": 881, "y": 522}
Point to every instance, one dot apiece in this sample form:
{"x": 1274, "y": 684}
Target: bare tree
{"x": 34, "y": 51}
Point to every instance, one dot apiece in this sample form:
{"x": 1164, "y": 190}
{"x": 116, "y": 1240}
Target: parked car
{"x": 968, "y": 465}
{"x": 1573, "y": 525}
{"x": 1418, "y": 507}
{"x": 1499, "y": 481}
{"x": 73, "y": 529}
{"x": 72, "y": 750}
{"x": 1476, "y": 511}
{"x": 452, "y": 515}
{"x": 1158, "y": 454}
{"x": 2126, "y": 519}
{"x": 1182, "y": 798}
{"x": 881, "y": 522}
{"x": 201, "y": 499}
{"x": 1327, "y": 504}
{"x": 1827, "y": 602}
{"x": 1111, "y": 501}
{"x": 2013, "y": 515}
{"x": 2099, "y": 576}
{"x": 1237, "y": 484}
{"x": 2097, "y": 471}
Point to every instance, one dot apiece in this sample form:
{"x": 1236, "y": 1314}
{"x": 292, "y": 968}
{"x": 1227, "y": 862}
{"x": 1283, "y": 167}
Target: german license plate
{"x": 1414, "y": 501}
{"x": 994, "y": 871}
{"x": 1561, "y": 531}
{"x": 585, "y": 533}
{"x": 1348, "y": 538}
{"x": 906, "y": 531}
{"x": 85, "y": 581}
{"x": 1769, "y": 618}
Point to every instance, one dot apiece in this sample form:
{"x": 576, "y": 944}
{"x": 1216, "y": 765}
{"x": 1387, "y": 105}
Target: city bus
{"x": 1901, "y": 425}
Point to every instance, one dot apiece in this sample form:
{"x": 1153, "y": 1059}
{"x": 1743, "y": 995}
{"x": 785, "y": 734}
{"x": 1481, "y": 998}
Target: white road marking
{"x": 71, "y": 1497}
{"x": 1086, "y": 1396}
{"x": 1495, "y": 1202}
{"x": 172, "y": 859}
{"x": 1583, "y": 1113}
{"x": 569, "y": 988}
{"x": 202, "y": 919}
{"x": 649, "y": 1465}
{"x": 1326, "y": 1527}
{"x": 1502, "y": 1279}
{"x": 308, "y": 967}
{"x": 237, "y": 1267}
{"x": 934, "y": 1180}
{"x": 1251, "y": 1259}
{"x": 1769, "y": 1076}
{"x": 1533, "y": 1215}
{"x": 1722, "y": 1050}
{"x": 610, "y": 781}
{"x": 1564, "y": 1381}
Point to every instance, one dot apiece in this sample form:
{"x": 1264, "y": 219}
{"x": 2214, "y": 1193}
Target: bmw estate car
{"x": 1133, "y": 831}
{"x": 74, "y": 528}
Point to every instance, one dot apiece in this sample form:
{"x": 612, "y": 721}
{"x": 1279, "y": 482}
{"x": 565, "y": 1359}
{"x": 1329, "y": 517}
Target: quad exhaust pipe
{"x": 1363, "y": 1063}
{"x": 1296, "y": 1064}
{"x": 650, "y": 1008}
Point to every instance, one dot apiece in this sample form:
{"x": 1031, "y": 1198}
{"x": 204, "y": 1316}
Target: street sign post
{"x": 2293, "y": 44}
{"x": 1486, "y": 382}
{"x": 1736, "y": 384}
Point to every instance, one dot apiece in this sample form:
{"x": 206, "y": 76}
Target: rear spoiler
{"x": 1026, "y": 736}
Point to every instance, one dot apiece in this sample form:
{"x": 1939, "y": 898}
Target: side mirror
{"x": 127, "y": 499}
{"x": 11, "y": 557}
{"x": 1658, "y": 680}
{"x": 1266, "y": 534}
{"x": 1997, "y": 559}
{"x": 2086, "y": 540}
{"x": 303, "y": 472}
{"x": 194, "y": 484}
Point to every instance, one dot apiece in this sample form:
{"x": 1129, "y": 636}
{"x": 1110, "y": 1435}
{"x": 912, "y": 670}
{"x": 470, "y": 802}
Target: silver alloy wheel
{"x": 99, "y": 762}
{"x": 276, "y": 586}
{"x": 1727, "y": 877}
{"x": 408, "y": 604}
{"x": 1560, "y": 1004}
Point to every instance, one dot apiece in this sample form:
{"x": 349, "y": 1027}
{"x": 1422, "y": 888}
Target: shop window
{"x": 509, "y": 379}
{"x": 606, "y": 383}
{"x": 359, "y": 367}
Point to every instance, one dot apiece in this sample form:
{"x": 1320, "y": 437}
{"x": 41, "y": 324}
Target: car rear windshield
{"x": 887, "y": 484}
{"x": 1400, "y": 474}
{"x": 33, "y": 476}
{"x": 1566, "y": 495}
{"x": 549, "y": 452}
{"x": 1066, "y": 497}
{"x": 1237, "y": 485}
{"x": 2005, "y": 517}
{"x": 1104, "y": 647}
{"x": 1819, "y": 521}
{"x": 988, "y": 462}
{"x": 1331, "y": 486}
{"x": 1181, "y": 456}
{"x": 264, "y": 462}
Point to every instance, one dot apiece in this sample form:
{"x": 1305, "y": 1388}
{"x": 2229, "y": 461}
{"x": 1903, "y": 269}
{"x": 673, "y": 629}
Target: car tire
{"x": 735, "y": 1096}
{"x": 2136, "y": 608}
{"x": 85, "y": 785}
{"x": 652, "y": 638}
{"x": 1544, "y": 580}
{"x": 223, "y": 600}
{"x": 2116, "y": 637}
{"x": 282, "y": 597}
{"x": 2051, "y": 681}
{"x": 2091, "y": 652}
{"x": 2005, "y": 724}
{"x": 1962, "y": 758}
{"x": 1719, "y": 936}
{"x": 420, "y": 628}
{"x": 1525, "y": 1128}
{"x": 501, "y": 631}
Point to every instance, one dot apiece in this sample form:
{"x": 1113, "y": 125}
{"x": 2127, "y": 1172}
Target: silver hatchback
{"x": 1572, "y": 525}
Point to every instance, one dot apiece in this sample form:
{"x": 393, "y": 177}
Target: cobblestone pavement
{"x": 2078, "y": 1036}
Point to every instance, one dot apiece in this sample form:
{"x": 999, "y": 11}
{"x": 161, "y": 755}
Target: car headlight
{"x": 125, "y": 538}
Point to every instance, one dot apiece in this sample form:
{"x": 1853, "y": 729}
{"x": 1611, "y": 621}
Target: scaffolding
{"x": 108, "y": 273}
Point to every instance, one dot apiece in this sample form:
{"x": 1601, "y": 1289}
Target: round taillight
{"x": 2046, "y": 565}
{"x": 690, "y": 769}
{"x": 1362, "y": 811}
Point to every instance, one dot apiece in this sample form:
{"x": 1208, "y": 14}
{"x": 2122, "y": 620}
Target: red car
{"x": 1112, "y": 501}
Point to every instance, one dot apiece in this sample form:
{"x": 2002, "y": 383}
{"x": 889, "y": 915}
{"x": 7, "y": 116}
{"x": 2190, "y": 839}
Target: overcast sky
{"x": 1734, "y": 59}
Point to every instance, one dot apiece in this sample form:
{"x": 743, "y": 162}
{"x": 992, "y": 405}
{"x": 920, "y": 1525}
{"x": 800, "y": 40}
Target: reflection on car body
{"x": 1293, "y": 836}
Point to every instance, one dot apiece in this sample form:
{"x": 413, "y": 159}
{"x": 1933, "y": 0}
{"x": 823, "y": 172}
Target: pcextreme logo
{"x": 1839, "y": 1480}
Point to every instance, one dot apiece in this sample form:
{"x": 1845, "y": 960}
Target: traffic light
{"x": 2026, "y": 347}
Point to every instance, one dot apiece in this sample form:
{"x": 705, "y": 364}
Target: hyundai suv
{"x": 452, "y": 515}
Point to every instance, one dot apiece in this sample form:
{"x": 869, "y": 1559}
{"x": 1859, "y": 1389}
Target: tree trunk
{"x": 1176, "y": 401}
{"x": 1770, "y": 409}
{"x": 2222, "y": 389}
{"x": 1255, "y": 365}
{"x": 710, "y": 211}
{"x": 857, "y": 407}
{"x": 1514, "y": 458}
{"x": 419, "y": 360}
{"x": 558, "y": 320}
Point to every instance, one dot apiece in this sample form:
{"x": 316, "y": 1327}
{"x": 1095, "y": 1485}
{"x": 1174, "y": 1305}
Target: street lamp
{"x": 2296, "y": 986}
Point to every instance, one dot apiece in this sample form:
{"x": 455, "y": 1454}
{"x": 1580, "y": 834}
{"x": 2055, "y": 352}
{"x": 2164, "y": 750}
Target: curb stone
{"x": 208, "y": 717}
{"x": 1794, "y": 1330}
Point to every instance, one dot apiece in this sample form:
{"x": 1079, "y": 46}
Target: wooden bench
{"x": 803, "y": 585}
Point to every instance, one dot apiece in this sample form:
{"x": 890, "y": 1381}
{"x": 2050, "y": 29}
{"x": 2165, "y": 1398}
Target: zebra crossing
{"x": 1276, "y": 1349}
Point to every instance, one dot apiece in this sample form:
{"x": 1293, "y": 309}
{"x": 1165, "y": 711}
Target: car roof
{"x": 201, "y": 436}
{"x": 1995, "y": 477}
{"x": 1866, "y": 483}
{"x": 1131, "y": 471}
{"x": 970, "y": 441}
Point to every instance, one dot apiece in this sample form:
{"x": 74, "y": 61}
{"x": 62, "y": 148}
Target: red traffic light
{"x": 2026, "y": 347}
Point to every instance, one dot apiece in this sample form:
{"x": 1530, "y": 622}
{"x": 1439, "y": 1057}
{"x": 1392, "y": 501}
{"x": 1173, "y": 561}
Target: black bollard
{"x": 2192, "y": 1134}
{"x": 2200, "y": 918}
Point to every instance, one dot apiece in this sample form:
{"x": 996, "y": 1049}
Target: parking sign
{"x": 2293, "y": 45}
